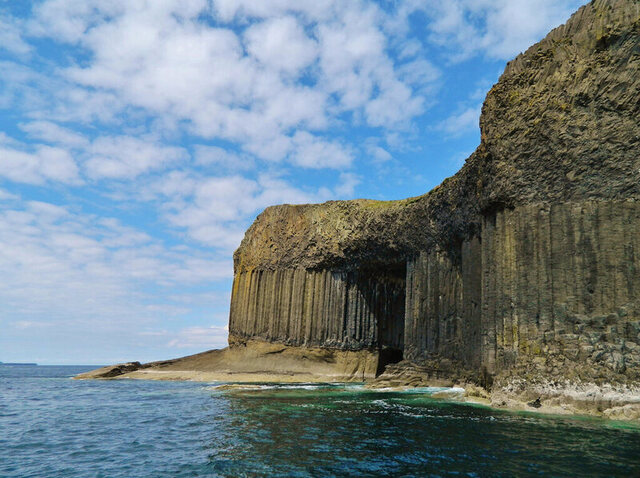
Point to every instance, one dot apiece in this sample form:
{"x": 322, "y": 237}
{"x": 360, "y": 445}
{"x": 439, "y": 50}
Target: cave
{"x": 384, "y": 290}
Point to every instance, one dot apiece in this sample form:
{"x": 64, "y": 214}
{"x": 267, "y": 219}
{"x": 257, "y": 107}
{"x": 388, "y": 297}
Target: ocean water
{"x": 52, "y": 426}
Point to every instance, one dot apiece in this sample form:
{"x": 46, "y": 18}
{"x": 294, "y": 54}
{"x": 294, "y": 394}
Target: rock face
{"x": 527, "y": 260}
{"x": 338, "y": 309}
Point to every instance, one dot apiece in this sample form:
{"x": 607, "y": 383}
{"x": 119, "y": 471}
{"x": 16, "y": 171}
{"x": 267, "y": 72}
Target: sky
{"x": 139, "y": 139}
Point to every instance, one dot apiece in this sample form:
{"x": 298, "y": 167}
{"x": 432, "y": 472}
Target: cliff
{"x": 528, "y": 259}
{"x": 519, "y": 273}
{"x": 559, "y": 126}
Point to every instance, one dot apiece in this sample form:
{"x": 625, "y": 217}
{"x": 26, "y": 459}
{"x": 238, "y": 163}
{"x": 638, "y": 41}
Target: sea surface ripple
{"x": 52, "y": 426}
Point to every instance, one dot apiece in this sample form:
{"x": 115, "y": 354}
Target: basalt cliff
{"x": 519, "y": 276}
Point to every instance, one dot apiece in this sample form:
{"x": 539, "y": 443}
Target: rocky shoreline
{"x": 616, "y": 401}
{"x": 541, "y": 394}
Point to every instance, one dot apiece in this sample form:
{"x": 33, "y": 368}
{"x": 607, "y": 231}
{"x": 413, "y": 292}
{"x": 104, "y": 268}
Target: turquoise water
{"x": 51, "y": 426}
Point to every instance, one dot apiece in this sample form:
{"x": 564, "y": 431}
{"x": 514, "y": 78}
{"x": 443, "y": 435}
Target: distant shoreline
{"x": 20, "y": 364}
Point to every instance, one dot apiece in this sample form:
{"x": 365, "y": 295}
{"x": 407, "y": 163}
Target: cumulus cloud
{"x": 105, "y": 157}
{"x": 460, "y": 123}
{"x": 53, "y": 133}
{"x": 236, "y": 80}
{"x": 43, "y": 163}
{"x": 6, "y": 195}
{"x": 377, "y": 153}
{"x": 313, "y": 152}
{"x": 78, "y": 266}
{"x": 496, "y": 28}
{"x": 419, "y": 73}
{"x": 346, "y": 186}
{"x": 11, "y": 39}
{"x": 222, "y": 159}
{"x": 128, "y": 157}
{"x": 281, "y": 44}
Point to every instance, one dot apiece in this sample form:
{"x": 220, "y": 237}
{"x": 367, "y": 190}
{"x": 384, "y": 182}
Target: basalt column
{"x": 541, "y": 281}
{"x": 562, "y": 280}
{"x": 527, "y": 258}
{"x": 350, "y": 310}
{"x": 443, "y": 304}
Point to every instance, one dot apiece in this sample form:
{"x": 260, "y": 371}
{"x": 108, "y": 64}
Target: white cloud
{"x": 347, "y": 186}
{"x": 419, "y": 73}
{"x": 47, "y": 96}
{"x": 163, "y": 58}
{"x": 222, "y": 158}
{"x": 512, "y": 26}
{"x": 11, "y": 39}
{"x": 496, "y": 28}
{"x": 6, "y": 195}
{"x": 461, "y": 123}
{"x": 128, "y": 157}
{"x": 377, "y": 153}
{"x": 227, "y": 10}
{"x": 65, "y": 20}
{"x": 313, "y": 152}
{"x": 351, "y": 58}
{"x": 106, "y": 157}
{"x": 201, "y": 338}
{"x": 282, "y": 44}
{"x": 7, "y": 140}
{"x": 384, "y": 110}
{"x": 20, "y": 87}
{"x": 174, "y": 185}
{"x": 44, "y": 163}
{"x": 53, "y": 133}
{"x": 72, "y": 266}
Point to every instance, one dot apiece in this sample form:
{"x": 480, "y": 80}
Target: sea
{"x": 53, "y": 427}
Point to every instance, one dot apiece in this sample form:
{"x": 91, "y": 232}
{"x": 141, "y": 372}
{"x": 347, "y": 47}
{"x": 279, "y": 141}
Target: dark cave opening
{"x": 387, "y": 356}
{"x": 384, "y": 287}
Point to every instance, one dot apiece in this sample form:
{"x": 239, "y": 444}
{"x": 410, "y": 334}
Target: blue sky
{"x": 139, "y": 139}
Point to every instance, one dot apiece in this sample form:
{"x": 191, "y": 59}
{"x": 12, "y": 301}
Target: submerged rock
{"x": 112, "y": 371}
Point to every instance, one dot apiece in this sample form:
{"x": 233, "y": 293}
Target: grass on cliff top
{"x": 394, "y": 203}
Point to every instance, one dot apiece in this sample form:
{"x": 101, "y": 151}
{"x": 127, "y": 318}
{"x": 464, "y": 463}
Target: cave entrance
{"x": 386, "y": 290}
{"x": 387, "y": 356}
